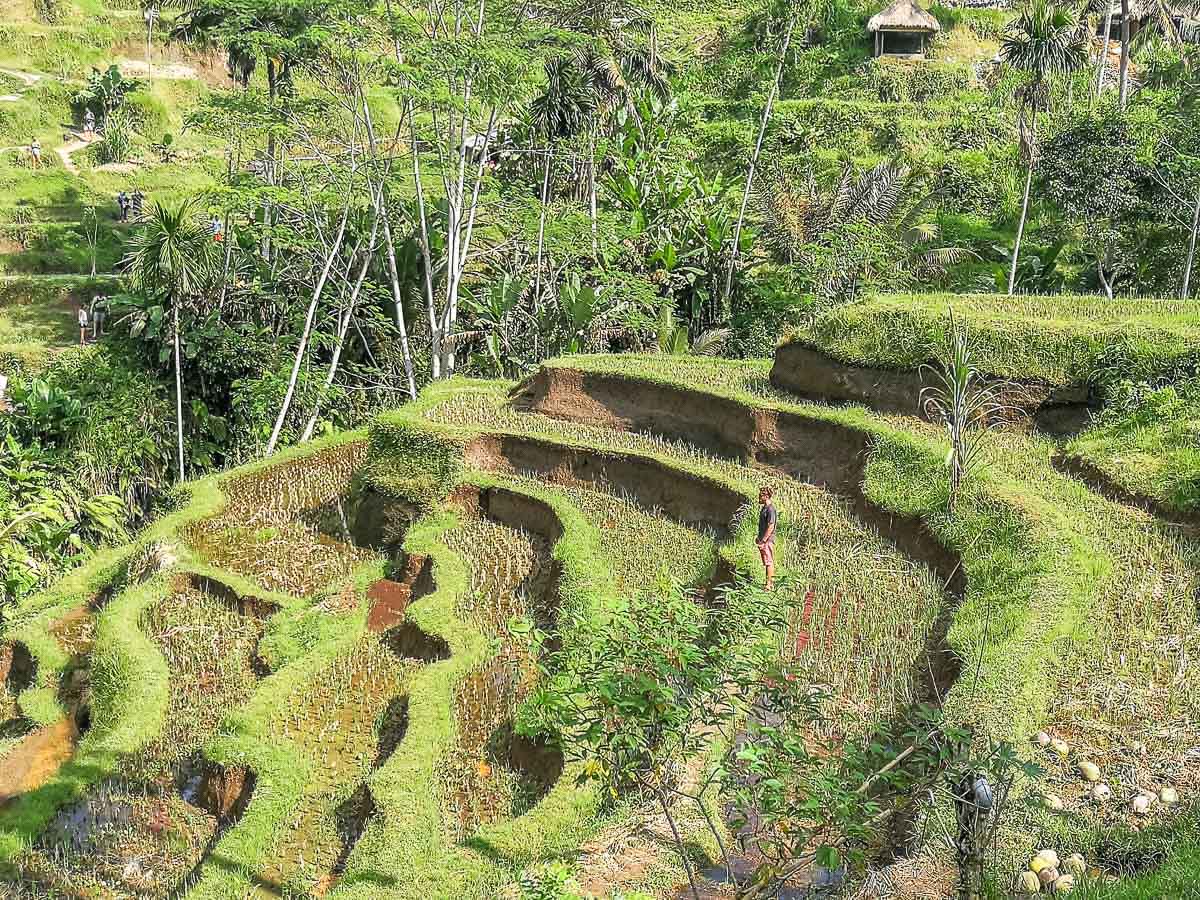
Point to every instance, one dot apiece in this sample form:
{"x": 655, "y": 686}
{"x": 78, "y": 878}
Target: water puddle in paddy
{"x": 144, "y": 829}
{"x": 17, "y": 673}
{"x": 39, "y": 753}
{"x": 350, "y": 721}
{"x": 302, "y": 526}
{"x": 492, "y": 773}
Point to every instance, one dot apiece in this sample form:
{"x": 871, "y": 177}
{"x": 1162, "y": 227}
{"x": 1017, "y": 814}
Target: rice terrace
{"x": 599, "y": 449}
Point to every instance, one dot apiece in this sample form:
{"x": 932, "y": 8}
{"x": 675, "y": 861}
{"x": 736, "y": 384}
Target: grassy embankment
{"x": 1071, "y": 601}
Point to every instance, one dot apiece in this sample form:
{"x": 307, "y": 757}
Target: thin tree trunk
{"x": 465, "y": 245}
{"x": 679, "y": 845}
{"x": 1125, "y": 38}
{"x": 343, "y": 328}
{"x": 377, "y": 200}
{"x": 537, "y": 288}
{"x": 227, "y": 237}
{"x": 1191, "y": 254}
{"x": 1012, "y": 272}
{"x": 178, "y": 387}
{"x": 1103, "y": 69}
{"x": 1102, "y": 261}
{"x": 435, "y": 348}
{"x": 286, "y": 406}
{"x": 592, "y": 210}
{"x": 762, "y": 132}
{"x": 149, "y": 38}
{"x": 271, "y": 92}
{"x": 397, "y": 298}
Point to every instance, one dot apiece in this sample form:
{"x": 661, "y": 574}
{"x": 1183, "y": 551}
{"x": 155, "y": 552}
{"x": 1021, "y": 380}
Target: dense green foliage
{"x": 336, "y": 205}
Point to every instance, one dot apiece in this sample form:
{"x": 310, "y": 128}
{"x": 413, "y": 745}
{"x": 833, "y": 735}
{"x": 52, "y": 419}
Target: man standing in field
{"x": 767, "y": 519}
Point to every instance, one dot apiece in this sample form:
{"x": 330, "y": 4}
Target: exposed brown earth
{"x": 37, "y": 758}
{"x": 825, "y": 454}
{"x": 687, "y": 498}
{"x": 815, "y": 375}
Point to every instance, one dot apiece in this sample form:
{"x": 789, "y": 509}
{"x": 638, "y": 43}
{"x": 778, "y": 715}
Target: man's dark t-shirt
{"x": 766, "y": 518}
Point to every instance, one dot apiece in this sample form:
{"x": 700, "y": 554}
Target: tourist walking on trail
{"x": 767, "y": 519}
{"x": 123, "y": 205}
{"x": 89, "y": 125}
{"x": 35, "y": 153}
{"x": 83, "y": 326}
{"x": 98, "y": 312}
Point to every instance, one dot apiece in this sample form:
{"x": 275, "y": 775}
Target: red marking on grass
{"x": 802, "y": 637}
{"x": 389, "y": 600}
{"x": 831, "y": 620}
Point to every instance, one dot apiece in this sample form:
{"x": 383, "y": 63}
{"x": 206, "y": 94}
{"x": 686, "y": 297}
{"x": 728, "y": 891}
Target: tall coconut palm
{"x": 797, "y": 215}
{"x": 1045, "y": 42}
{"x": 559, "y": 112}
{"x": 171, "y": 257}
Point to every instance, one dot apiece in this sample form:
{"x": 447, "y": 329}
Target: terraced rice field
{"x": 305, "y": 684}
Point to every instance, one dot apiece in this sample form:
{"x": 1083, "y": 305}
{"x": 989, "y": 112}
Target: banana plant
{"x": 495, "y": 312}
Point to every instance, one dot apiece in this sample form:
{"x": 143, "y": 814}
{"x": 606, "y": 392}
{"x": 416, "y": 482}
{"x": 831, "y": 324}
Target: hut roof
{"x": 903, "y": 15}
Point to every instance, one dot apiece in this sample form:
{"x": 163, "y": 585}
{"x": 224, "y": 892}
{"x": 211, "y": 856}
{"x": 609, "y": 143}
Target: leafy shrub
{"x": 977, "y": 182}
{"x": 147, "y": 114}
{"x": 900, "y": 81}
{"x": 49, "y": 11}
{"x": 104, "y": 93}
{"x": 116, "y": 144}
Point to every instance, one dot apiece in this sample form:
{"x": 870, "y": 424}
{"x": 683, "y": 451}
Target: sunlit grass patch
{"x": 1062, "y": 339}
{"x": 1151, "y": 450}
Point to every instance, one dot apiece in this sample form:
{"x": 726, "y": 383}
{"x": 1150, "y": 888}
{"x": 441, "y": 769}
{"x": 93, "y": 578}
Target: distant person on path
{"x": 89, "y": 125}
{"x": 767, "y": 519}
{"x": 99, "y": 302}
{"x": 123, "y": 205}
{"x": 83, "y": 326}
{"x": 35, "y": 152}
{"x": 217, "y": 229}
{"x": 138, "y": 197}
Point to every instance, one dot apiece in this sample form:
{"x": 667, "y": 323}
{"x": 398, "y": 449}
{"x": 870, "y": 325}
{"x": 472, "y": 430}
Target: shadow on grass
{"x": 274, "y": 888}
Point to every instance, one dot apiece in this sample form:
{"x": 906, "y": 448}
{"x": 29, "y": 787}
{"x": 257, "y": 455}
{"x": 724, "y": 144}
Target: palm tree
{"x": 559, "y": 112}
{"x": 621, "y": 63}
{"x": 1162, "y": 22}
{"x": 1044, "y": 42}
{"x": 171, "y": 257}
{"x": 889, "y": 196}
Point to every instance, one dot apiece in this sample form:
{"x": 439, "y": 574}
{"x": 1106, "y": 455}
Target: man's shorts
{"x": 767, "y": 552}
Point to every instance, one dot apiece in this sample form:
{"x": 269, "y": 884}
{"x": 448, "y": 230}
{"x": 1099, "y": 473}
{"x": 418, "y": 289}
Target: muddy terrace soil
{"x": 35, "y": 755}
{"x": 828, "y": 549}
{"x": 663, "y": 473}
{"x": 333, "y": 724}
{"x": 138, "y": 831}
{"x": 491, "y": 773}
{"x": 814, "y": 375}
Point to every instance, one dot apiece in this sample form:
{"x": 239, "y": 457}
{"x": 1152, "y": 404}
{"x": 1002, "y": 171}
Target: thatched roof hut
{"x": 903, "y": 29}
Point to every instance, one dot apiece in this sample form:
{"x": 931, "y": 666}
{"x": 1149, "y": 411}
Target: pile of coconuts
{"x": 1046, "y": 873}
{"x": 1100, "y": 792}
